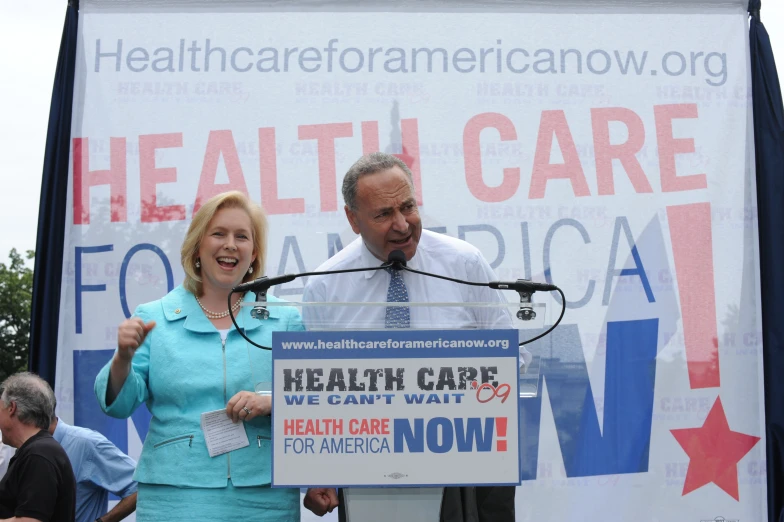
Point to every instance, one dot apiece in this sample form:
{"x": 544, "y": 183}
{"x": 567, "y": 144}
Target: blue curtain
{"x": 51, "y": 213}
{"x": 769, "y": 145}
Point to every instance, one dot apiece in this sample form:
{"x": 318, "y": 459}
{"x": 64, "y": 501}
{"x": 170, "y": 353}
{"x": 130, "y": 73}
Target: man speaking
{"x": 381, "y": 207}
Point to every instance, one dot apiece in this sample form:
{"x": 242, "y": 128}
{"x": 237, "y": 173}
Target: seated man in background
{"x": 39, "y": 484}
{"x": 100, "y": 468}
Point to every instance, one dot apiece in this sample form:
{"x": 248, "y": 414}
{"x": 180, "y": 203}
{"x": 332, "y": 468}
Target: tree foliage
{"x": 16, "y": 298}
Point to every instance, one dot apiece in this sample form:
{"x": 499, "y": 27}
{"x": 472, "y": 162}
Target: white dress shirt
{"x": 436, "y": 253}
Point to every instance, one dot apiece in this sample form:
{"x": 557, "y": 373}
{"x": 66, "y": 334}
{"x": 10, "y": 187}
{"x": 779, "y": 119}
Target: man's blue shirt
{"x": 99, "y": 468}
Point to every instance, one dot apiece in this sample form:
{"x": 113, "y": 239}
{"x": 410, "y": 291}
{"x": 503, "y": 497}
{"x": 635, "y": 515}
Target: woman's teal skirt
{"x": 173, "y": 504}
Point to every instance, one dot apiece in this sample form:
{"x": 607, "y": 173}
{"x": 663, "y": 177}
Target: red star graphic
{"x": 714, "y": 452}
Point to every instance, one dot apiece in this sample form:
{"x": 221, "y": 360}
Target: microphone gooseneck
{"x": 264, "y": 283}
{"x": 522, "y": 285}
{"x": 396, "y": 260}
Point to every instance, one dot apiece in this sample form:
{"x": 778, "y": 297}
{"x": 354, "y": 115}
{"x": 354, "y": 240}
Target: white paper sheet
{"x": 222, "y": 435}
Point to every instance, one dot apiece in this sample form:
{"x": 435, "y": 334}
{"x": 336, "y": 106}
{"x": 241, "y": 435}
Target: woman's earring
{"x": 250, "y": 269}
{"x": 198, "y": 264}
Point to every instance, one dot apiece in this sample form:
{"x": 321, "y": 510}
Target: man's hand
{"x": 123, "y": 508}
{"x": 321, "y": 500}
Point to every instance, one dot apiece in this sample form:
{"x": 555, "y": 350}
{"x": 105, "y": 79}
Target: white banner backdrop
{"x": 607, "y": 152}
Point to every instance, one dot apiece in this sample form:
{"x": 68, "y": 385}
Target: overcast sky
{"x": 30, "y": 34}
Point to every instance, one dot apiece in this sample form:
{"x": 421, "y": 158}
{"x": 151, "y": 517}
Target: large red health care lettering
{"x": 222, "y": 148}
{"x": 554, "y": 129}
{"x": 150, "y": 176}
{"x": 605, "y": 151}
{"x": 554, "y": 125}
{"x": 84, "y": 179}
{"x": 669, "y": 146}
{"x": 268, "y": 174}
{"x": 472, "y": 157}
{"x": 566, "y": 174}
{"x": 219, "y": 144}
{"x": 326, "y": 134}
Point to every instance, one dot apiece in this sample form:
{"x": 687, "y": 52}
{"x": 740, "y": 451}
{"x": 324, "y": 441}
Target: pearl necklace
{"x": 215, "y": 315}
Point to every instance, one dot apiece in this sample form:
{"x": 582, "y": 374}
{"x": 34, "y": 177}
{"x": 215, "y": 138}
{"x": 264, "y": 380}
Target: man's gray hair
{"x": 33, "y": 396}
{"x": 370, "y": 164}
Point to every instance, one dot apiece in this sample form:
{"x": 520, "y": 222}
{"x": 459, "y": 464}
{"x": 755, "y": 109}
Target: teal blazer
{"x": 182, "y": 370}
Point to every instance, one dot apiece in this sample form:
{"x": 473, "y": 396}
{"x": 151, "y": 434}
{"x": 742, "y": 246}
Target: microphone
{"x": 263, "y": 283}
{"x": 522, "y": 285}
{"x": 525, "y": 288}
{"x": 396, "y": 260}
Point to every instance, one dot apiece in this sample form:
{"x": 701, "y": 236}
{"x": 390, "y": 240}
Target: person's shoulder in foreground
{"x": 40, "y": 483}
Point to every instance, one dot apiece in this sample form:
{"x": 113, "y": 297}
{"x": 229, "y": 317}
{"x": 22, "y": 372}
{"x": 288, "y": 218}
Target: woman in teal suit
{"x": 182, "y": 357}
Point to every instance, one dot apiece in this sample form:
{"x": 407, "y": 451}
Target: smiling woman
{"x": 225, "y": 259}
{"x": 229, "y": 214}
{"x": 179, "y": 355}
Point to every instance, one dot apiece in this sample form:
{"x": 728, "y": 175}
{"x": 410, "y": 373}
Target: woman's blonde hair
{"x": 198, "y": 227}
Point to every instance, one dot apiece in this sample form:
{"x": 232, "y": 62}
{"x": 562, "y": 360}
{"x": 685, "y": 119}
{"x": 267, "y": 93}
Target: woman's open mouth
{"x": 227, "y": 262}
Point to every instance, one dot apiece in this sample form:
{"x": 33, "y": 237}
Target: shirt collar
{"x": 59, "y": 430}
{"x": 40, "y": 435}
{"x": 181, "y": 304}
{"x": 368, "y": 260}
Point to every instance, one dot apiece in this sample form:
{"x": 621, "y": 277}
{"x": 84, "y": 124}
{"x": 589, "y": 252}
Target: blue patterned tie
{"x": 397, "y": 316}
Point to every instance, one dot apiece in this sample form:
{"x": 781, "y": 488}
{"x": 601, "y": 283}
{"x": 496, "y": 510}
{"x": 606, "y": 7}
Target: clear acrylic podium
{"x": 414, "y": 504}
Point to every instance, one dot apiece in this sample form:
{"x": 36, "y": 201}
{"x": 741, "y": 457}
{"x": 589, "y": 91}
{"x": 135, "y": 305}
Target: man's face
{"x": 386, "y": 217}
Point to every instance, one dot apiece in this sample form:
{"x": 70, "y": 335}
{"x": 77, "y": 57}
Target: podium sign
{"x": 395, "y": 408}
